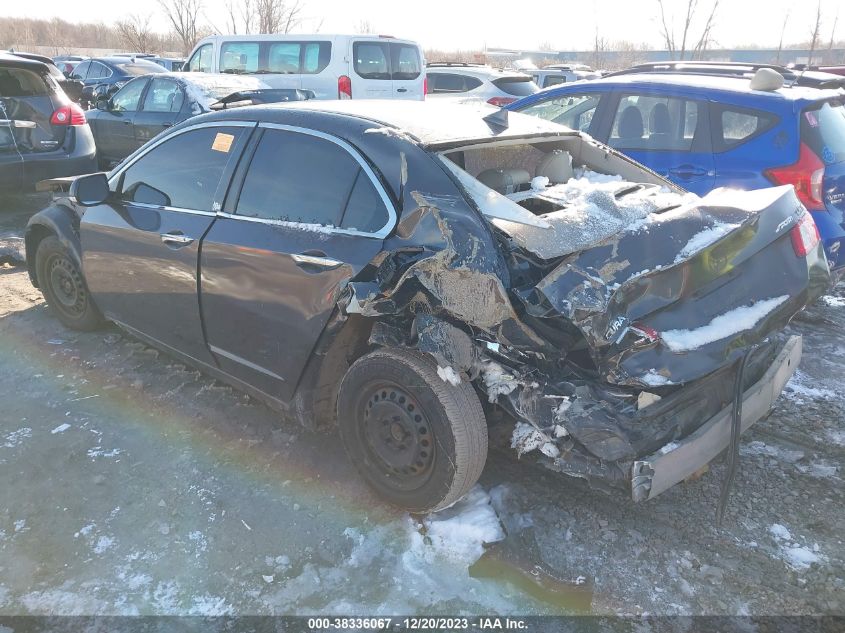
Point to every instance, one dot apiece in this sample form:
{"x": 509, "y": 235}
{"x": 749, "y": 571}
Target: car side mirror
{"x": 90, "y": 190}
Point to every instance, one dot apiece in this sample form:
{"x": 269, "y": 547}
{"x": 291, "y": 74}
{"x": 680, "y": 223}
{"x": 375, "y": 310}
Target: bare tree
{"x": 135, "y": 33}
{"x": 678, "y": 48}
{"x": 599, "y": 49}
{"x": 832, "y": 36}
{"x": 184, "y": 18}
{"x": 364, "y": 27}
{"x": 240, "y": 16}
{"x": 278, "y": 16}
{"x": 782, "y": 30}
{"x": 814, "y": 39}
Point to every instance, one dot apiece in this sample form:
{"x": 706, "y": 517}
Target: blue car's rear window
{"x": 823, "y": 130}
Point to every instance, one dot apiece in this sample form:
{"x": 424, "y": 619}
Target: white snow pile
{"x": 668, "y": 448}
{"x": 798, "y": 557}
{"x": 12, "y": 246}
{"x": 723, "y": 326}
{"x": 447, "y": 374}
{"x": 497, "y": 381}
{"x": 653, "y": 379}
{"x": 705, "y": 238}
{"x": 818, "y": 468}
{"x": 592, "y": 213}
{"x": 833, "y": 302}
{"x": 526, "y": 438}
{"x": 16, "y": 437}
{"x": 761, "y": 448}
{"x": 426, "y": 563}
{"x": 207, "y": 88}
{"x": 61, "y": 428}
{"x": 459, "y": 533}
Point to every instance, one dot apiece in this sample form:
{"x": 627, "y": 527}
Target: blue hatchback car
{"x": 704, "y": 132}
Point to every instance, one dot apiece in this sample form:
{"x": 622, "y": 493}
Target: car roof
{"x": 10, "y": 59}
{"x": 430, "y": 123}
{"x": 709, "y": 83}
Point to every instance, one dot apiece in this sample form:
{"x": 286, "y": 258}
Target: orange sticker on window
{"x": 222, "y": 142}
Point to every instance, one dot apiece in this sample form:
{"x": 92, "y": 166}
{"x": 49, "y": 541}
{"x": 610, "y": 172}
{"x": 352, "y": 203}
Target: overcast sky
{"x": 462, "y": 25}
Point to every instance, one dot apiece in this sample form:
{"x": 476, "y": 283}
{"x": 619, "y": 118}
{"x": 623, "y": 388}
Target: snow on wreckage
{"x": 599, "y": 306}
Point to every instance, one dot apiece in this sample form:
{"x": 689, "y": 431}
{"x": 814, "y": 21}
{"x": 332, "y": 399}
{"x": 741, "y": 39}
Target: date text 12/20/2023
{"x": 479, "y": 623}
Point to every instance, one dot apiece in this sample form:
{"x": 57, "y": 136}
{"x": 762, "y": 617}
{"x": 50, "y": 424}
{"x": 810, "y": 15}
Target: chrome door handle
{"x": 175, "y": 238}
{"x": 323, "y": 262}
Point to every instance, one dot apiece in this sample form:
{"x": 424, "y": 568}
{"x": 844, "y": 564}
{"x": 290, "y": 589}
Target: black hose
{"x": 736, "y": 431}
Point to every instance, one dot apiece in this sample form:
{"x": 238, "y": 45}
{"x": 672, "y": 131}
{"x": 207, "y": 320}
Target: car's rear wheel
{"x": 64, "y": 287}
{"x": 419, "y": 442}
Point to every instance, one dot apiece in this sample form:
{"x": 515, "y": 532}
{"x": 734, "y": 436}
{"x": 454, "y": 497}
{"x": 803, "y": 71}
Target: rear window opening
{"x": 823, "y": 130}
{"x": 386, "y": 60}
{"x": 19, "y": 82}
{"x": 516, "y": 86}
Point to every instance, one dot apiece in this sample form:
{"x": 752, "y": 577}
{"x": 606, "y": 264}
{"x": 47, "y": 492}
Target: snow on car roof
{"x": 435, "y": 124}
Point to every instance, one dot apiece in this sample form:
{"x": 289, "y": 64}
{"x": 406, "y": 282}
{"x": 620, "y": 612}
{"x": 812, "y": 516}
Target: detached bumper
{"x": 658, "y": 472}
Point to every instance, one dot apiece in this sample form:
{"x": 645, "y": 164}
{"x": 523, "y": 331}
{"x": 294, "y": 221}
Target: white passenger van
{"x": 333, "y": 66}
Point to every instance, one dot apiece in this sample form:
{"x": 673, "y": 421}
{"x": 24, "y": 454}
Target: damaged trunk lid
{"x": 664, "y": 295}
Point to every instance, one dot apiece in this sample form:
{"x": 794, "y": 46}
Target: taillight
{"x": 425, "y": 86}
{"x": 70, "y": 114}
{"x": 500, "y": 101}
{"x": 806, "y": 176}
{"x": 805, "y": 235}
{"x": 344, "y": 87}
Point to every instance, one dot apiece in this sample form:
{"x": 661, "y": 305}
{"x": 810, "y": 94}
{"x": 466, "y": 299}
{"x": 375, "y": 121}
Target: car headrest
{"x": 556, "y": 166}
{"x": 504, "y": 180}
{"x": 658, "y": 119}
{"x": 631, "y": 123}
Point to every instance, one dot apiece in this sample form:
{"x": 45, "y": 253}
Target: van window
{"x": 371, "y": 60}
{"x": 405, "y": 61}
{"x": 200, "y": 62}
{"x": 386, "y": 60}
{"x": 284, "y": 57}
{"x": 239, "y": 57}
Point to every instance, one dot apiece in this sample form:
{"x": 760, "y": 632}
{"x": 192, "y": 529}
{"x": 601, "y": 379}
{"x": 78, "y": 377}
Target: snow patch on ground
{"x": 705, "y": 238}
{"x": 799, "y": 391}
{"x": 833, "y": 302}
{"x": 447, "y": 374}
{"x": 459, "y": 534}
{"x": 103, "y": 544}
{"x": 14, "y": 438}
{"x": 798, "y": 557}
{"x": 836, "y": 436}
{"x": 819, "y": 468}
{"x": 60, "y": 429}
{"x": 777, "y": 452}
{"x": 733, "y": 322}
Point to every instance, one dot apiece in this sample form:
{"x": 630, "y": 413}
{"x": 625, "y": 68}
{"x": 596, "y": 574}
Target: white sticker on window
{"x": 222, "y": 142}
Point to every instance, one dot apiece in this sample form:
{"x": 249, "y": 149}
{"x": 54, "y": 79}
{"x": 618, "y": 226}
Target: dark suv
{"x": 43, "y": 134}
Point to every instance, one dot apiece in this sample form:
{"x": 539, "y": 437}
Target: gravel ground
{"x": 133, "y": 484}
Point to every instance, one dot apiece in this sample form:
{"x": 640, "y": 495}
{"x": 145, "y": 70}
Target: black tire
{"x": 419, "y": 442}
{"x": 64, "y": 288}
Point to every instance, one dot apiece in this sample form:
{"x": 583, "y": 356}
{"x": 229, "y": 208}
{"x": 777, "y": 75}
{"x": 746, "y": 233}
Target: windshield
{"x": 823, "y": 130}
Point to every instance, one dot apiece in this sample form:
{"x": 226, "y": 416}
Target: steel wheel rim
{"x": 67, "y": 286}
{"x": 397, "y": 437}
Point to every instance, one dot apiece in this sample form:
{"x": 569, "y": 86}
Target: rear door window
{"x": 371, "y": 60}
{"x": 164, "y": 95}
{"x": 734, "y": 126}
{"x": 239, "y": 57}
{"x": 446, "y": 82}
{"x": 823, "y": 130}
{"x": 296, "y": 177}
{"x": 516, "y": 86}
{"x": 655, "y": 122}
{"x": 184, "y": 171}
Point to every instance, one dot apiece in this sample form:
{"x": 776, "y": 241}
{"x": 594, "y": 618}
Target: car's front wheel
{"x": 419, "y": 442}
{"x": 64, "y": 288}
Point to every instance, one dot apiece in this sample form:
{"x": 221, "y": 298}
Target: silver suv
{"x": 460, "y": 81}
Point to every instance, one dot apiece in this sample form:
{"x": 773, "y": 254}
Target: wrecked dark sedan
{"x": 405, "y": 272}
